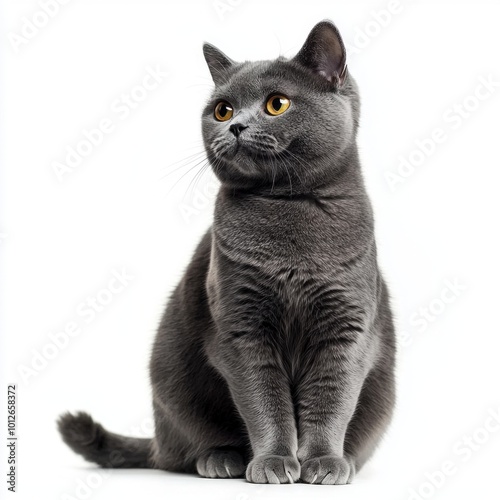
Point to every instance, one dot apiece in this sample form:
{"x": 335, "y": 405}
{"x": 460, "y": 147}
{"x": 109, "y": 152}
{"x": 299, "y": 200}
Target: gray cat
{"x": 275, "y": 356}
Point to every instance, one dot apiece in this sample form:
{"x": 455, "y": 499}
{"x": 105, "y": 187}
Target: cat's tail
{"x": 96, "y": 444}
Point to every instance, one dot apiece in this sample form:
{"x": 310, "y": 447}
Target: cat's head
{"x": 284, "y": 122}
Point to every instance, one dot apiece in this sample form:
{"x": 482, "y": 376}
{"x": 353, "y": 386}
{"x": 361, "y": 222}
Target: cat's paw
{"x": 221, "y": 463}
{"x": 327, "y": 470}
{"x": 273, "y": 469}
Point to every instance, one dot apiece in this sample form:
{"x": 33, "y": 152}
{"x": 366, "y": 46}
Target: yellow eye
{"x": 223, "y": 111}
{"x": 277, "y": 104}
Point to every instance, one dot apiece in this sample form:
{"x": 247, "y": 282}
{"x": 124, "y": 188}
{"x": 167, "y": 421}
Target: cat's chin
{"x": 245, "y": 166}
{"x": 241, "y": 171}
{"x": 246, "y": 159}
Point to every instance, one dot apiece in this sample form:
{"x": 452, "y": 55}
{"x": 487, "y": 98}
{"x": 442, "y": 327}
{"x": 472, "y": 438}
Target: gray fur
{"x": 275, "y": 354}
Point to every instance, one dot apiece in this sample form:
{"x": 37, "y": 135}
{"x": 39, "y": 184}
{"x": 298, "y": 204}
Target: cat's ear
{"x": 218, "y": 63}
{"x": 324, "y": 53}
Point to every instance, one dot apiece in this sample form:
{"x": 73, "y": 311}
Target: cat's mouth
{"x": 250, "y": 150}
{"x": 257, "y": 152}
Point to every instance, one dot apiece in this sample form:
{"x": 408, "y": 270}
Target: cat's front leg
{"x": 261, "y": 392}
{"x": 327, "y": 397}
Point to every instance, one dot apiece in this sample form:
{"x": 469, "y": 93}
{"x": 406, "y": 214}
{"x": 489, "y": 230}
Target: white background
{"x": 61, "y": 240}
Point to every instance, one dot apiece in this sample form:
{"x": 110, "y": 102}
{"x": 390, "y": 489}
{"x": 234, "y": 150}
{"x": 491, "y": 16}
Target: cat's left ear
{"x": 218, "y": 63}
{"x": 324, "y": 53}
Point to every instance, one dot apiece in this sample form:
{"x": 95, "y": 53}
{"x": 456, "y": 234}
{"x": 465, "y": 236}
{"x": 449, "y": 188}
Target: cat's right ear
{"x": 218, "y": 63}
{"x": 324, "y": 53}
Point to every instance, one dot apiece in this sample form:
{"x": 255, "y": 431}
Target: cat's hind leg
{"x": 372, "y": 416}
{"x": 223, "y": 462}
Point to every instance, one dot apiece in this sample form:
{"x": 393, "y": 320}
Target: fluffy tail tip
{"x": 78, "y": 431}
{"x": 90, "y": 440}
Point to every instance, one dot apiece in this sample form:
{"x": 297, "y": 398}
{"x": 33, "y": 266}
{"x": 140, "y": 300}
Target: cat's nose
{"x": 237, "y": 128}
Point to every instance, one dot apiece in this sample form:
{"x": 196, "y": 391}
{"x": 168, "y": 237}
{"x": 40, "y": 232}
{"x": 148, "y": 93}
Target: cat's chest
{"x": 285, "y": 298}
{"x": 292, "y": 260}
{"x": 302, "y": 235}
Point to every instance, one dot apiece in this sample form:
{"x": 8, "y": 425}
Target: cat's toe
{"x": 221, "y": 463}
{"x": 327, "y": 470}
{"x": 273, "y": 469}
